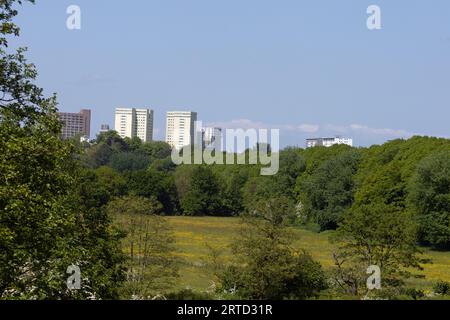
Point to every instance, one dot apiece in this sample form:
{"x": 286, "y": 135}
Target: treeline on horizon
{"x": 321, "y": 184}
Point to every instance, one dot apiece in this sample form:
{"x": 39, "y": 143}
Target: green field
{"x": 193, "y": 235}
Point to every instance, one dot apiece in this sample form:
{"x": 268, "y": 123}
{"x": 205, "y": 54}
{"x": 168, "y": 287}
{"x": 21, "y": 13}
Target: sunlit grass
{"x": 194, "y": 235}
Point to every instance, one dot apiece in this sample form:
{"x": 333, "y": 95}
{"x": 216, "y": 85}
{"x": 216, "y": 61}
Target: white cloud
{"x": 250, "y": 124}
{"x": 399, "y": 133}
{"x": 311, "y": 128}
{"x": 308, "y": 128}
{"x": 362, "y": 134}
{"x": 238, "y": 124}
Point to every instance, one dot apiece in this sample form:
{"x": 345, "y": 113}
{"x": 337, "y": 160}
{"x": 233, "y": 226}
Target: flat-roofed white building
{"x": 328, "y": 142}
{"x": 133, "y": 122}
{"x": 144, "y": 124}
{"x": 211, "y": 135}
{"x": 180, "y": 128}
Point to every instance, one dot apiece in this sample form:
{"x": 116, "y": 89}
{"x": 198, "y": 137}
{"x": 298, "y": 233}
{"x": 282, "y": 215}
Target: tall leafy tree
{"x": 266, "y": 266}
{"x": 44, "y": 224}
{"x": 105, "y": 146}
{"x": 329, "y": 191}
{"x": 157, "y": 150}
{"x": 152, "y": 266}
{"x": 233, "y": 180}
{"x": 375, "y": 234}
{"x": 429, "y": 199}
{"x": 155, "y": 184}
{"x": 112, "y": 181}
{"x": 129, "y": 161}
{"x": 203, "y": 195}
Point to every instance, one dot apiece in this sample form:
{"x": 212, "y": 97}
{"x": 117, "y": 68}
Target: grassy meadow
{"x": 194, "y": 235}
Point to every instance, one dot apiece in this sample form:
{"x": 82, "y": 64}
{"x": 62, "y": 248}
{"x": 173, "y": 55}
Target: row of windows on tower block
{"x": 75, "y": 124}
{"x": 134, "y": 122}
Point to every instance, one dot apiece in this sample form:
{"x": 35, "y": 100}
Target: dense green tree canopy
{"x": 202, "y": 197}
{"x": 329, "y": 191}
{"x": 48, "y": 219}
{"x": 429, "y": 199}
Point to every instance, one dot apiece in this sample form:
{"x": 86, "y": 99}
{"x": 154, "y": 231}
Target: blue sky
{"x": 310, "y": 68}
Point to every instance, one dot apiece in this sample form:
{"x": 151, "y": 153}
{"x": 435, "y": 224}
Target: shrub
{"x": 442, "y": 287}
{"x": 188, "y": 294}
{"x": 416, "y": 294}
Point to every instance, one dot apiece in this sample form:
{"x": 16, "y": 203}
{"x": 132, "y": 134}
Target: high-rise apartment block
{"x": 76, "y": 124}
{"x": 132, "y": 122}
{"x": 328, "y": 142}
{"x": 212, "y": 135}
{"x": 180, "y": 128}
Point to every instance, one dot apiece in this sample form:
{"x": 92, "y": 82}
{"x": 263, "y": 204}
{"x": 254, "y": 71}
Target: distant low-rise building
{"x": 76, "y": 124}
{"x": 212, "y": 135}
{"x": 104, "y": 128}
{"x": 328, "y": 142}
